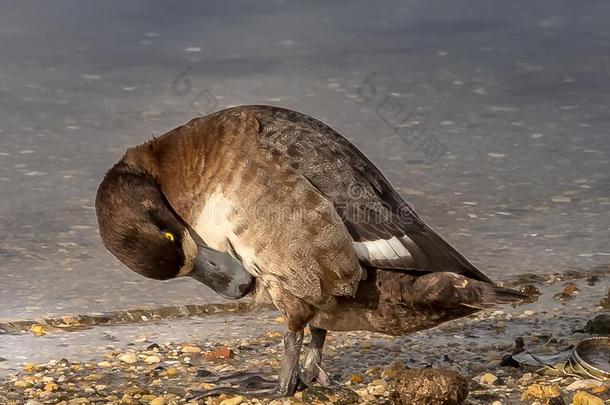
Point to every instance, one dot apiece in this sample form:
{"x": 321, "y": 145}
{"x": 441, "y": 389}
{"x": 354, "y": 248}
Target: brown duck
{"x": 269, "y": 201}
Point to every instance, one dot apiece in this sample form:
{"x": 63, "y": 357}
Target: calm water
{"x": 516, "y": 94}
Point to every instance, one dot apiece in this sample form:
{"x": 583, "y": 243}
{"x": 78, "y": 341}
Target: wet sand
{"x": 90, "y": 360}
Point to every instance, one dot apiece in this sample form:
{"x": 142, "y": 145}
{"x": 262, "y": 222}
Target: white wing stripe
{"x": 398, "y": 247}
{"x": 381, "y": 250}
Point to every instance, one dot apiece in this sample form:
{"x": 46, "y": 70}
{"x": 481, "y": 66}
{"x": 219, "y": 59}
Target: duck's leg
{"x": 312, "y": 370}
{"x": 250, "y": 384}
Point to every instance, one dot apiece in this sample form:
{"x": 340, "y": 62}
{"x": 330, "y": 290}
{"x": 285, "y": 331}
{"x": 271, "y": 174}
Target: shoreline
{"x": 473, "y": 346}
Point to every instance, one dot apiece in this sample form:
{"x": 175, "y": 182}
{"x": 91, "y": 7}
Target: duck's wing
{"x": 387, "y": 232}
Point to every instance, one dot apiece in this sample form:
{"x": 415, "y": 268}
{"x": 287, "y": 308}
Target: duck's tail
{"x": 449, "y": 290}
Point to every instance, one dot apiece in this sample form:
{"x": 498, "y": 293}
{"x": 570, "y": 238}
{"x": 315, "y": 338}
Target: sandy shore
{"x": 163, "y": 362}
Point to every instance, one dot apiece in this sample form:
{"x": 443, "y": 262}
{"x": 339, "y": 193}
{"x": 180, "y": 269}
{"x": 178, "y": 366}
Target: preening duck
{"x": 267, "y": 201}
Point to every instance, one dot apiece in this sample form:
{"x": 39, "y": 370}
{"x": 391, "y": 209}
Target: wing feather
{"x": 387, "y": 232}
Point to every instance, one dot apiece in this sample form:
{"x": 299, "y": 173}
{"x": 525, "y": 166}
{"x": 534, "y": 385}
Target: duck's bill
{"x": 222, "y": 273}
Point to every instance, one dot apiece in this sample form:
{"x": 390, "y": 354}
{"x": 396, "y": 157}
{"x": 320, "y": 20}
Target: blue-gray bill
{"x": 222, "y": 273}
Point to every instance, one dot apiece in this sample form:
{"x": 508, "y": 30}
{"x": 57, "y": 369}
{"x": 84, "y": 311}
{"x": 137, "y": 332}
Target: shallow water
{"x": 517, "y": 94}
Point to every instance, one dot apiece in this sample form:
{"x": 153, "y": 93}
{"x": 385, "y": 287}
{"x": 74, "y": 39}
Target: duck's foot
{"x": 312, "y": 372}
{"x": 242, "y": 383}
{"x": 254, "y": 385}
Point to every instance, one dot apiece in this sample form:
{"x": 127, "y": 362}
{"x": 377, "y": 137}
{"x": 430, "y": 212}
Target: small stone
{"x": 567, "y": 292}
{"x": 152, "y": 359}
{"x": 538, "y": 391}
{"x": 171, "y": 372}
{"x": 584, "y": 398}
{"x": 356, "y": 379}
{"x": 601, "y": 389}
{"x": 529, "y": 312}
{"x": 430, "y": 386}
{"x": 50, "y": 387}
{"x": 21, "y": 384}
{"x": 232, "y": 401}
{"x": 220, "y": 353}
{"x": 600, "y": 325}
{"x": 488, "y": 379}
{"x": 158, "y": 401}
{"x": 128, "y": 358}
{"x": 104, "y": 364}
{"x": 190, "y": 349}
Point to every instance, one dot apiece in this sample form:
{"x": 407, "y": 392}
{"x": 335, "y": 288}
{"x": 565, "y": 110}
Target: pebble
{"x": 584, "y": 398}
{"x": 158, "y": 401}
{"x": 356, "y": 379}
{"x": 152, "y": 359}
{"x": 488, "y": 379}
{"x": 220, "y": 353}
{"x": 128, "y": 358}
{"x": 104, "y": 364}
{"x": 190, "y": 349}
{"x": 539, "y": 391}
{"x": 233, "y": 401}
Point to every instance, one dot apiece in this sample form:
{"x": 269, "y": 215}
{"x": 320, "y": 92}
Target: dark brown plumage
{"x": 327, "y": 238}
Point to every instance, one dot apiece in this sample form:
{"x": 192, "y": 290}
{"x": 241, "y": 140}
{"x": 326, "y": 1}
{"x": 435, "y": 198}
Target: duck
{"x": 268, "y": 202}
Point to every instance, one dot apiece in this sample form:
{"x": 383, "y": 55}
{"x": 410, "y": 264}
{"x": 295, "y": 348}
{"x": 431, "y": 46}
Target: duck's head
{"x": 141, "y": 229}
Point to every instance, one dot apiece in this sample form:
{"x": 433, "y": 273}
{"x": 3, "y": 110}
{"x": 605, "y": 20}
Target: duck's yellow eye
{"x": 169, "y": 236}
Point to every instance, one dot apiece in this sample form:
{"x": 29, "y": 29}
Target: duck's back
{"x": 387, "y": 233}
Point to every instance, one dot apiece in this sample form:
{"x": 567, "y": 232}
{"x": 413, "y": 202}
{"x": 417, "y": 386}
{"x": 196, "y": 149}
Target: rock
{"x": 190, "y": 349}
{"x": 158, "y": 401}
{"x": 488, "y": 379}
{"x": 356, "y": 379}
{"x": 104, "y": 364}
{"x": 600, "y": 325}
{"x": 567, "y": 293}
{"x": 220, "y": 353}
{"x": 584, "y": 398}
{"x": 544, "y": 392}
{"x": 601, "y": 389}
{"x": 33, "y": 402}
{"x": 171, "y": 372}
{"x": 233, "y": 401}
{"x": 337, "y": 395}
{"x": 430, "y": 386}
{"x": 152, "y": 359}
{"x": 50, "y": 387}
{"x": 128, "y": 358}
